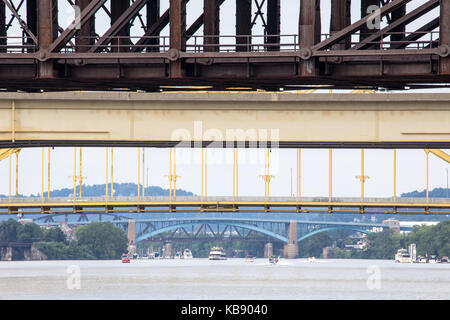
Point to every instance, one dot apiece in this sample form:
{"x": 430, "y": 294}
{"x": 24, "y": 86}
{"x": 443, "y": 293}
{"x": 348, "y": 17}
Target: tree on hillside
{"x": 54, "y": 234}
{"x": 104, "y": 240}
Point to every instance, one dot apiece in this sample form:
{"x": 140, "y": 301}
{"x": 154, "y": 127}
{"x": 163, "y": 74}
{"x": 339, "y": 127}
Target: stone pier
{"x": 131, "y": 236}
{"x": 268, "y": 250}
{"x": 6, "y": 254}
{"x": 291, "y": 248}
{"x": 167, "y": 250}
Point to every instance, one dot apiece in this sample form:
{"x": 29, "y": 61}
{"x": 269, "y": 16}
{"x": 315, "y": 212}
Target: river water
{"x": 232, "y": 279}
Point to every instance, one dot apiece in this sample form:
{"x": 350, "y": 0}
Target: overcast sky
{"x": 411, "y": 173}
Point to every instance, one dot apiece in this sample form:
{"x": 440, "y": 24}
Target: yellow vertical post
{"x": 139, "y": 174}
{"x": 81, "y": 172}
{"x": 107, "y": 178}
{"x": 237, "y": 173}
{"x": 143, "y": 173}
{"x": 10, "y": 177}
{"x": 206, "y": 173}
{"x": 48, "y": 173}
{"x": 42, "y": 175}
{"x": 268, "y": 171}
{"x": 299, "y": 173}
{"x": 17, "y": 174}
{"x": 170, "y": 174}
{"x": 74, "y": 173}
{"x": 13, "y": 121}
{"x": 362, "y": 175}
{"x": 234, "y": 174}
{"x": 174, "y": 173}
{"x": 395, "y": 175}
{"x": 330, "y": 174}
{"x": 428, "y": 177}
{"x": 203, "y": 168}
{"x": 112, "y": 172}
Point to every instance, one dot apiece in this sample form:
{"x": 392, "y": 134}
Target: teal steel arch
{"x": 331, "y": 229}
{"x": 241, "y": 225}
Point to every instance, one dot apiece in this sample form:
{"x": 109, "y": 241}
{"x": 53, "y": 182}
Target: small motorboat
{"x": 125, "y": 258}
{"x": 311, "y": 259}
{"x": 274, "y": 260}
{"x": 187, "y": 254}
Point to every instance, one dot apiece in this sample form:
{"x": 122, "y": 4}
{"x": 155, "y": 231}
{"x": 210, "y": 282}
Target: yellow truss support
{"x": 5, "y": 153}
{"x": 437, "y": 152}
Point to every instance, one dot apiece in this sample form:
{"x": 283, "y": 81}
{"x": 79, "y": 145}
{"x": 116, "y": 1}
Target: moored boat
{"x": 402, "y": 256}
{"x": 125, "y": 258}
{"x": 274, "y": 260}
{"x": 187, "y": 254}
{"x": 217, "y": 253}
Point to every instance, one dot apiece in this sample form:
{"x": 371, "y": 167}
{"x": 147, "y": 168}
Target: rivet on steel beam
{"x": 174, "y": 54}
{"x": 444, "y": 51}
{"x": 305, "y": 53}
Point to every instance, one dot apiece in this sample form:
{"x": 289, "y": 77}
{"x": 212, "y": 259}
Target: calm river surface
{"x": 232, "y": 279}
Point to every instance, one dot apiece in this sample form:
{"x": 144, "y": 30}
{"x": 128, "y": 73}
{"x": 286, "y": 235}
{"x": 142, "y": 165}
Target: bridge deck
{"x": 285, "y": 120}
{"x": 225, "y": 204}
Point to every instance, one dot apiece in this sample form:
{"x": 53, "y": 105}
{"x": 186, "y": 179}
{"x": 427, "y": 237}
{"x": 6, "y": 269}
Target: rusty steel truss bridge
{"x": 409, "y": 48}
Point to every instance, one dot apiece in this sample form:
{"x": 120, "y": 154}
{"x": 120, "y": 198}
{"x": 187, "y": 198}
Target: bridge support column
{"x": 167, "y": 250}
{"x": 291, "y": 248}
{"x": 444, "y": 35}
{"x": 268, "y": 250}
{"x": 132, "y": 236}
{"x": 6, "y": 254}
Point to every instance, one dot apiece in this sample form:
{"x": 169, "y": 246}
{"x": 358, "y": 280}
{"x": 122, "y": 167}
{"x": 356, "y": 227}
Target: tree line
{"x": 95, "y": 241}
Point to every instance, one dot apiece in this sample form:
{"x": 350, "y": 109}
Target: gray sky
{"x": 411, "y": 174}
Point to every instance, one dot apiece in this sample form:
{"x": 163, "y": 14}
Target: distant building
{"x": 394, "y": 225}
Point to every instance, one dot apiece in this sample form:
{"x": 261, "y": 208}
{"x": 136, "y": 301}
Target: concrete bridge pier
{"x": 6, "y": 254}
{"x": 268, "y": 250}
{"x": 131, "y": 236}
{"x": 167, "y": 250}
{"x": 291, "y": 248}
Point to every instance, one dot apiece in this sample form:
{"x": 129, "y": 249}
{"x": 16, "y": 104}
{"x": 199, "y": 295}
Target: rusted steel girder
{"x": 243, "y": 25}
{"x": 309, "y": 34}
{"x": 120, "y": 27}
{"x": 3, "y": 40}
{"x": 153, "y": 15}
{"x": 72, "y": 60}
{"x": 340, "y": 19}
{"x": 85, "y": 37}
{"x": 47, "y": 33}
{"x": 273, "y": 29}
{"x": 177, "y": 37}
{"x": 444, "y": 36}
{"x": 211, "y": 25}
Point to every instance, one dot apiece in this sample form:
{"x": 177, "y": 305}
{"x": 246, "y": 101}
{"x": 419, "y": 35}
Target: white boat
{"x": 187, "y": 254}
{"x": 422, "y": 259}
{"x": 178, "y": 255}
{"x": 402, "y": 256}
{"x": 433, "y": 259}
{"x": 217, "y": 253}
{"x": 311, "y": 259}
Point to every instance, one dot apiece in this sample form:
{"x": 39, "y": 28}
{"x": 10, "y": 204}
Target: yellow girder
{"x": 5, "y": 153}
{"x": 440, "y": 154}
